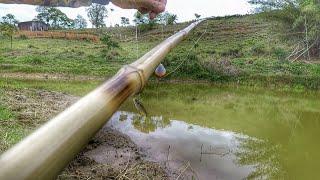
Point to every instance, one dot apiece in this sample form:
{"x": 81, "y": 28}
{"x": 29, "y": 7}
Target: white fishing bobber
{"x": 160, "y": 71}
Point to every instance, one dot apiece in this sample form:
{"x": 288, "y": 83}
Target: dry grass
{"x": 59, "y": 35}
{"x": 22, "y": 111}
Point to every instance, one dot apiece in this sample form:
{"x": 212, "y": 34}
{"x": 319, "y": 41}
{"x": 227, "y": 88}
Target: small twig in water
{"x": 184, "y": 170}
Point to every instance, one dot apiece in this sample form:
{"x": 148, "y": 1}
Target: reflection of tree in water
{"x": 291, "y": 150}
{"x": 149, "y": 124}
{"x": 123, "y": 117}
{"x": 263, "y": 155}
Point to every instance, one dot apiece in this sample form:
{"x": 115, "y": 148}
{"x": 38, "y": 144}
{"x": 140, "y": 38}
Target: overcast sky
{"x": 184, "y": 9}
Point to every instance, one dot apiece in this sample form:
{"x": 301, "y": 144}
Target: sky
{"x": 184, "y": 9}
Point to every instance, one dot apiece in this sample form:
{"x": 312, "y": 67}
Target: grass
{"x": 11, "y": 132}
{"x": 11, "y": 128}
{"x": 244, "y": 49}
{"x": 240, "y": 49}
{"x": 77, "y": 88}
{"x": 65, "y": 57}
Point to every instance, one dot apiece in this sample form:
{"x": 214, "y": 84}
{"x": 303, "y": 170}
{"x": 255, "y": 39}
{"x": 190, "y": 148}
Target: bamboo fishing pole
{"x": 47, "y": 151}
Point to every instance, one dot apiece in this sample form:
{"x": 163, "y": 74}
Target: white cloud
{"x": 184, "y": 9}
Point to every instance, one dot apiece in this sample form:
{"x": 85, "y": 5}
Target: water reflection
{"x": 264, "y": 156}
{"x": 294, "y": 155}
{"x": 285, "y": 125}
{"x": 200, "y": 152}
{"x": 149, "y": 124}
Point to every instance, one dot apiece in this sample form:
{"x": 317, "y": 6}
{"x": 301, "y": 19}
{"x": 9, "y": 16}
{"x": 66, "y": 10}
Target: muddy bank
{"x": 109, "y": 155}
{"x": 112, "y": 155}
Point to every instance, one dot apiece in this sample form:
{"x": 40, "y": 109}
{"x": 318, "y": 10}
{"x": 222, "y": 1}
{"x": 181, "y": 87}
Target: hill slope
{"x": 245, "y": 49}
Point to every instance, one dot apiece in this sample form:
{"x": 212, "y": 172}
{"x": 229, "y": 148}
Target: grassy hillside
{"x": 245, "y": 50}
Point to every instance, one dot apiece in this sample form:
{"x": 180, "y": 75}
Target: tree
{"x": 197, "y": 16}
{"x": 171, "y": 19}
{"x": 140, "y": 18}
{"x": 54, "y": 17}
{"x": 97, "y": 13}
{"x": 125, "y": 21}
{"x": 44, "y": 14}
{"x": 167, "y": 18}
{"x": 303, "y": 19}
{"x": 10, "y": 19}
{"x": 144, "y": 22}
{"x": 8, "y": 30}
{"x": 8, "y": 26}
{"x": 109, "y": 42}
{"x": 80, "y": 22}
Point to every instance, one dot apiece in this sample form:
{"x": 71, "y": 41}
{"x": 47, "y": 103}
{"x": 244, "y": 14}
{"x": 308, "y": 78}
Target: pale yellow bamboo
{"x": 43, "y": 154}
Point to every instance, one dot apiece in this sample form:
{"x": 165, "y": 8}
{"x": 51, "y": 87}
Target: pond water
{"x": 227, "y": 132}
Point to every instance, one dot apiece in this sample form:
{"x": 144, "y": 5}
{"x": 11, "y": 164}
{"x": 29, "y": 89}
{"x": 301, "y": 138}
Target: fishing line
{"x": 159, "y": 78}
{"x": 137, "y": 42}
{"x": 190, "y": 50}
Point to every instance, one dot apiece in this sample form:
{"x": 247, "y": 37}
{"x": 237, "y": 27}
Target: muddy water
{"x": 228, "y": 133}
{"x": 178, "y": 145}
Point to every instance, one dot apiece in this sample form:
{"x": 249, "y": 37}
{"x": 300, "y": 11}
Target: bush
{"x": 146, "y": 27}
{"x": 190, "y": 66}
{"x": 109, "y": 42}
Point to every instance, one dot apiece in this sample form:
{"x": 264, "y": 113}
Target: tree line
{"x": 96, "y": 13}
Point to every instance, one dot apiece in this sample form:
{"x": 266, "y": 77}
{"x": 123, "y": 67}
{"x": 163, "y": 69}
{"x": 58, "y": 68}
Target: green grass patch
{"x": 11, "y": 132}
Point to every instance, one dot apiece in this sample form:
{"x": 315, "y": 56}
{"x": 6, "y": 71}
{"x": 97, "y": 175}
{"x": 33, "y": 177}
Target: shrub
{"x": 109, "y": 42}
{"x": 192, "y": 66}
{"x": 146, "y": 27}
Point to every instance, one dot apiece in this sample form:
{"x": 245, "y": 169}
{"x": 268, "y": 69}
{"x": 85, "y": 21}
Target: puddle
{"x": 201, "y": 152}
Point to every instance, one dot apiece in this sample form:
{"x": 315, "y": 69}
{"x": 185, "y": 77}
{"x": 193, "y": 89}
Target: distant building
{"x": 33, "y": 26}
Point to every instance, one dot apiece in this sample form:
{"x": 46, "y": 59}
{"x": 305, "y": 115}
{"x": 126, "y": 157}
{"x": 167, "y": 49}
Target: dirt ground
{"x": 109, "y": 155}
{"x": 112, "y": 155}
